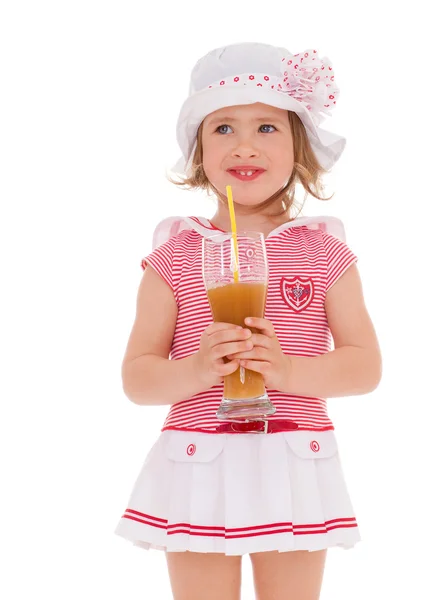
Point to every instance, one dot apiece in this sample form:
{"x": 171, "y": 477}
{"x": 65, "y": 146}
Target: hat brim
{"x": 327, "y": 146}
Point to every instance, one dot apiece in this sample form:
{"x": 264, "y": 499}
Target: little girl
{"x": 211, "y": 491}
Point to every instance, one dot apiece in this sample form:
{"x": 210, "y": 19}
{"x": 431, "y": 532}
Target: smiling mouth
{"x": 246, "y": 174}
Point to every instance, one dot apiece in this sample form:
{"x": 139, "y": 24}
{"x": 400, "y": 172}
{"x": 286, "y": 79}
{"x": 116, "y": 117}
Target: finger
{"x": 255, "y": 365}
{"x": 256, "y": 353}
{"x": 260, "y": 340}
{"x": 229, "y": 335}
{"x": 218, "y": 326}
{"x": 228, "y": 368}
{"x": 264, "y": 325}
{"x": 221, "y": 350}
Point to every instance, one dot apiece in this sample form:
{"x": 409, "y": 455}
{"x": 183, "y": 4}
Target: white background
{"x": 90, "y": 92}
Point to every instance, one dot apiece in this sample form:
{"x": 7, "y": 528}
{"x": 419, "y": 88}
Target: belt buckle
{"x": 266, "y": 426}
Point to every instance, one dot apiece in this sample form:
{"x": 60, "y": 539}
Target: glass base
{"x": 250, "y": 408}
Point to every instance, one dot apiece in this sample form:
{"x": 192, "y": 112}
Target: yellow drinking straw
{"x": 234, "y": 234}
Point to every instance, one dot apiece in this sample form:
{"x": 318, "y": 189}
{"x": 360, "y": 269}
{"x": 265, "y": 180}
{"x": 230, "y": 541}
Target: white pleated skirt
{"x": 240, "y": 493}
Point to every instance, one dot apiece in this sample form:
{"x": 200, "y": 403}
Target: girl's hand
{"x": 266, "y": 357}
{"x": 217, "y": 341}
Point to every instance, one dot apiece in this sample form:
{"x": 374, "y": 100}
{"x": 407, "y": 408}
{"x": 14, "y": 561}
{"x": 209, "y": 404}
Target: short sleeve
{"x": 339, "y": 259}
{"x": 161, "y": 260}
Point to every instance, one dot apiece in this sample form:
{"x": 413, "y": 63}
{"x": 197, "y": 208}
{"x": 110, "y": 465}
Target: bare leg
{"x": 204, "y": 576}
{"x": 288, "y": 575}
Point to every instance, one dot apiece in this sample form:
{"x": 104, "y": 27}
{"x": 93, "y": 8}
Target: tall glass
{"x": 233, "y": 301}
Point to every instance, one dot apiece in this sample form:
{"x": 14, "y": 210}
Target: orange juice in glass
{"x": 233, "y": 297}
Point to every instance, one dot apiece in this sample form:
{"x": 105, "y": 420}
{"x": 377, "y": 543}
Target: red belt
{"x": 256, "y": 426}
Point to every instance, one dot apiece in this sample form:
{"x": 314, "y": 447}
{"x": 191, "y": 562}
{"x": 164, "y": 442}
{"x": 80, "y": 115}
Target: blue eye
{"x": 274, "y": 128}
{"x": 221, "y": 127}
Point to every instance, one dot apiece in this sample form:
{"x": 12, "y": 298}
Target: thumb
{"x": 230, "y": 367}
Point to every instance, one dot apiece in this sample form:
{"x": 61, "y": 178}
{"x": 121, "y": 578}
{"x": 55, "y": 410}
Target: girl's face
{"x": 249, "y": 147}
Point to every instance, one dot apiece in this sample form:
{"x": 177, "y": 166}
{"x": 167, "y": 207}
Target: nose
{"x": 245, "y": 149}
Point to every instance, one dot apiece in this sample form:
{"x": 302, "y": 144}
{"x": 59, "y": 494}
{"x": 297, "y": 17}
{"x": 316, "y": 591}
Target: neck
{"x": 265, "y": 223}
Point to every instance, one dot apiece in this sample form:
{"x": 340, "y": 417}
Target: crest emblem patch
{"x": 297, "y": 292}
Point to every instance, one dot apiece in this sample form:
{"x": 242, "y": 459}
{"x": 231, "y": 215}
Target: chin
{"x": 251, "y": 199}
{"x": 247, "y": 200}
{"x": 248, "y": 193}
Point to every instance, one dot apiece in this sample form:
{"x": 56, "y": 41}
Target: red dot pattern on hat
{"x": 302, "y": 80}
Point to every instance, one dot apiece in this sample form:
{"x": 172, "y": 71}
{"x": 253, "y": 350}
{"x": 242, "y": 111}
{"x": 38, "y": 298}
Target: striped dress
{"x": 302, "y": 255}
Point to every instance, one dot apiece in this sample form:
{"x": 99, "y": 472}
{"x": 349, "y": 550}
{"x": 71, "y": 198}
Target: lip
{"x": 234, "y": 172}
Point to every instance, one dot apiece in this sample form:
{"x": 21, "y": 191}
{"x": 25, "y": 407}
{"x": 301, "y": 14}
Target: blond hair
{"x": 306, "y": 170}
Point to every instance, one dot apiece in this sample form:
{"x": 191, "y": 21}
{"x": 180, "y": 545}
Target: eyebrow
{"x": 267, "y": 119}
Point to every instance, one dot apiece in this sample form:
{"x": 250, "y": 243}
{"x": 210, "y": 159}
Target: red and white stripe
{"x": 239, "y": 532}
{"x": 294, "y": 251}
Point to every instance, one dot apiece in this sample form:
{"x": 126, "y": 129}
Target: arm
{"x": 355, "y": 365}
{"x": 148, "y": 376}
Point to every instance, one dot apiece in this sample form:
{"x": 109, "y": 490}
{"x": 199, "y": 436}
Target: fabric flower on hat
{"x": 310, "y": 80}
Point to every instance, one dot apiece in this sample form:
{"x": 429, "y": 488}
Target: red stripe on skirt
{"x": 204, "y": 530}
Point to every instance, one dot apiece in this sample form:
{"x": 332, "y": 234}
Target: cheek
{"x": 212, "y": 158}
{"x": 286, "y": 158}
{"x": 287, "y": 165}
{"x": 209, "y": 165}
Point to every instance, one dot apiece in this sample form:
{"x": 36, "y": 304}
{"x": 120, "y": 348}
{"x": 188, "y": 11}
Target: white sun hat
{"x": 250, "y": 72}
